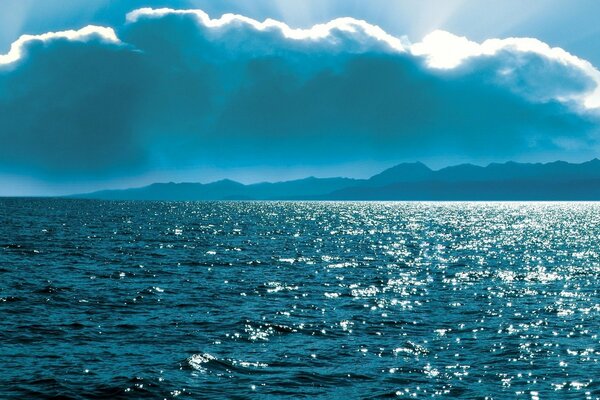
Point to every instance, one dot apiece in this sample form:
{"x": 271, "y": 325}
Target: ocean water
{"x": 144, "y": 300}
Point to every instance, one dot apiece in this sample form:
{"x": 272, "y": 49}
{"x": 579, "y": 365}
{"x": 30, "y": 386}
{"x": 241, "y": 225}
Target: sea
{"x": 268, "y": 300}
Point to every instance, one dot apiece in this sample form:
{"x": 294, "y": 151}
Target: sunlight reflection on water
{"x": 158, "y": 299}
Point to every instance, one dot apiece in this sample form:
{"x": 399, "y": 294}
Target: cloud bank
{"x": 176, "y": 89}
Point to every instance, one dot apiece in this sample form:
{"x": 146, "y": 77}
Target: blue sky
{"x": 172, "y": 95}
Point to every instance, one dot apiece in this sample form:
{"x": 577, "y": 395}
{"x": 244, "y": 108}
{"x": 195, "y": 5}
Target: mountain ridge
{"x": 557, "y": 180}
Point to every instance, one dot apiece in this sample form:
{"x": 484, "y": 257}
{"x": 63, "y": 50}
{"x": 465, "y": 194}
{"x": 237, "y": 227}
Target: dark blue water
{"x": 321, "y": 300}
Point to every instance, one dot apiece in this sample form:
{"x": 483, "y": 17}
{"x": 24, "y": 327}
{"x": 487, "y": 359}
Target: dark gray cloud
{"x": 174, "y": 92}
{"x": 69, "y": 108}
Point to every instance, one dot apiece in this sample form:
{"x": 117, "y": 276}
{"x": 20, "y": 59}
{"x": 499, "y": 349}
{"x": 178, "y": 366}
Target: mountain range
{"x": 558, "y": 180}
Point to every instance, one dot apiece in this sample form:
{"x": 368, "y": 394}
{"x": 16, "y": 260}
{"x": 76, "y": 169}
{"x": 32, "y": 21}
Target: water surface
{"x": 322, "y": 300}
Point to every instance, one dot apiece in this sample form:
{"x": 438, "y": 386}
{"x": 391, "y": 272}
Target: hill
{"x": 408, "y": 181}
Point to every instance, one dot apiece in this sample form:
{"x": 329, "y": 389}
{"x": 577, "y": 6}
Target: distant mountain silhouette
{"x": 407, "y": 172}
{"x": 409, "y": 181}
{"x": 228, "y": 190}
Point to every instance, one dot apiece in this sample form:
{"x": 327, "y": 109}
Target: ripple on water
{"x": 289, "y": 299}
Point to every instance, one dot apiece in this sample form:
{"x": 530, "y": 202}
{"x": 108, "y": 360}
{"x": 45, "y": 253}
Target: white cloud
{"x": 84, "y": 34}
{"x": 444, "y": 50}
{"x": 182, "y": 90}
{"x": 317, "y": 32}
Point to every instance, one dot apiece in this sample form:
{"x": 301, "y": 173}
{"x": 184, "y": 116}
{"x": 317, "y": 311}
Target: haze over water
{"x": 289, "y": 299}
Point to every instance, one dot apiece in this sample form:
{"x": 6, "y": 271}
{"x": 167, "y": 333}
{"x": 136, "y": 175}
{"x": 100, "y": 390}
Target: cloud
{"x": 447, "y": 51}
{"x": 177, "y": 89}
{"x": 317, "y": 32}
{"x": 82, "y": 35}
{"x": 67, "y": 102}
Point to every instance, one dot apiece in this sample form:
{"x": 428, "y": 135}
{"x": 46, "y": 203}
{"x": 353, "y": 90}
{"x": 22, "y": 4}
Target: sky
{"x": 108, "y": 94}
